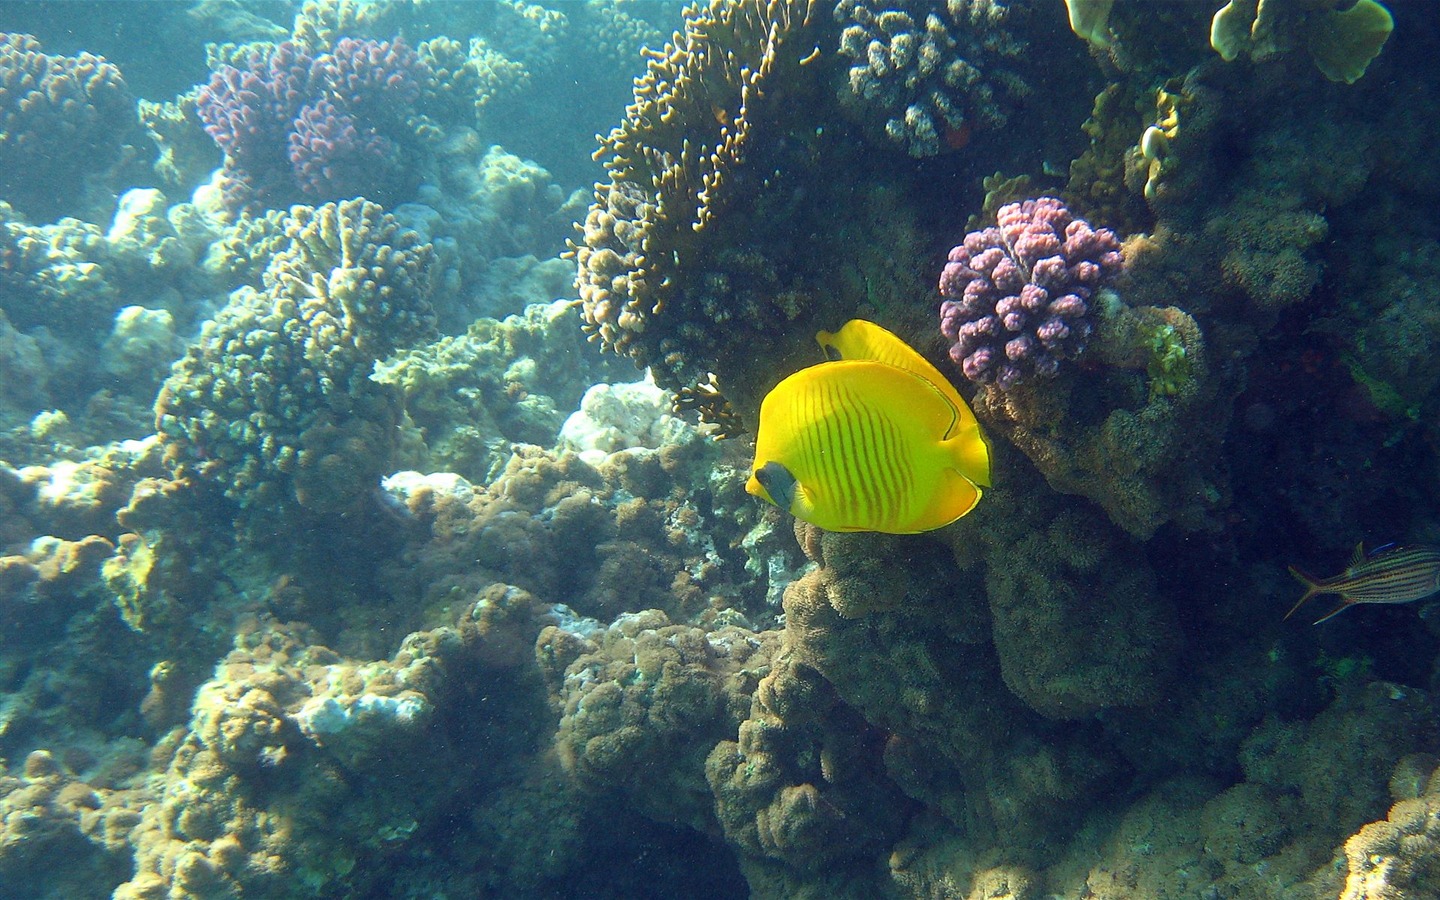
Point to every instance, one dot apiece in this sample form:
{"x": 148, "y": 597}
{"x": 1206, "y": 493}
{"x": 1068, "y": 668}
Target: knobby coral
{"x": 1018, "y": 297}
{"x": 927, "y": 73}
{"x": 60, "y": 118}
{"x": 296, "y": 127}
{"x": 274, "y": 402}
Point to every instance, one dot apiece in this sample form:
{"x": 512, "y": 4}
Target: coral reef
{"x": 501, "y": 621}
{"x": 926, "y": 74}
{"x": 61, "y": 118}
{"x": 274, "y": 406}
{"x": 1017, "y": 295}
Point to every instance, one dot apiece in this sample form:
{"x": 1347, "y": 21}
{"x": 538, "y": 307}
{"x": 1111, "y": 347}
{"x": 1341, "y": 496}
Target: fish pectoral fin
{"x": 969, "y": 455}
{"x": 1358, "y": 556}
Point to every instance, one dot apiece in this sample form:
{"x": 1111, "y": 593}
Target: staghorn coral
{"x": 61, "y": 118}
{"x": 274, "y": 405}
{"x": 672, "y": 166}
{"x": 924, "y": 74}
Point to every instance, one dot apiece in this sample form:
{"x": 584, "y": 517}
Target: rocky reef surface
{"x": 372, "y": 495}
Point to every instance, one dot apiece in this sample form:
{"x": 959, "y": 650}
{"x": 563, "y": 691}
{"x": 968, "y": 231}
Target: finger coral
{"x": 60, "y": 118}
{"x": 274, "y": 403}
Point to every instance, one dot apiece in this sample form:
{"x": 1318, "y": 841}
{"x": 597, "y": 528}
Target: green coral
{"x": 1170, "y": 368}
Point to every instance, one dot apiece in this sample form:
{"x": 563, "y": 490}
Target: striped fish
{"x": 1390, "y": 574}
{"x": 861, "y": 444}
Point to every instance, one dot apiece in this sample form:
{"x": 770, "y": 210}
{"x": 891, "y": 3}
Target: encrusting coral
{"x": 645, "y": 701}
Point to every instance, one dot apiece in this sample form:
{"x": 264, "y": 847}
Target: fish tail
{"x": 970, "y": 456}
{"x": 1312, "y": 587}
{"x": 1344, "y": 605}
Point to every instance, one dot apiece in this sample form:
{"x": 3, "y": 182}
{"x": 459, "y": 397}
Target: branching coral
{"x": 274, "y": 404}
{"x": 60, "y": 119}
{"x": 1017, "y": 296}
{"x": 925, "y": 74}
{"x": 673, "y": 165}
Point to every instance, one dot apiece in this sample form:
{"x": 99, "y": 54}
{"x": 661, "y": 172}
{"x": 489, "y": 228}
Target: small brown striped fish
{"x": 1390, "y": 574}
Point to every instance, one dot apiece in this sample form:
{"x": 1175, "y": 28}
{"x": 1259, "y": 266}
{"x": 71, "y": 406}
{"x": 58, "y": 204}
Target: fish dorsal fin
{"x": 862, "y": 339}
{"x": 1358, "y": 556}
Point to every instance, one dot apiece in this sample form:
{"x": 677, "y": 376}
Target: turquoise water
{"x": 380, "y": 384}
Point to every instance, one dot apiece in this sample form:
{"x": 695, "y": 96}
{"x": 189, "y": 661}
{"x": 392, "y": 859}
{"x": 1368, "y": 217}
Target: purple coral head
{"x": 1017, "y": 297}
{"x": 294, "y": 127}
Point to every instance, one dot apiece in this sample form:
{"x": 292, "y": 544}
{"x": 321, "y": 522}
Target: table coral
{"x": 274, "y": 404}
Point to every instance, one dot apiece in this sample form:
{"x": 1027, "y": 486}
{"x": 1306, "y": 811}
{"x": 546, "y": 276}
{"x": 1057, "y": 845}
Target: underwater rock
{"x": 620, "y": 416}
{"x": 643, "y": 704}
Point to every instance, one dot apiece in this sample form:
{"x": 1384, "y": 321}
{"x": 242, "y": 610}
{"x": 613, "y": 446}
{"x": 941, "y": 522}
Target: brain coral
{"x": 274, "y": 402}
{"x": 61, "y": 118}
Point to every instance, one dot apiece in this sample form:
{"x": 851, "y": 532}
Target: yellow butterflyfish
{"x": 875, "y": 441}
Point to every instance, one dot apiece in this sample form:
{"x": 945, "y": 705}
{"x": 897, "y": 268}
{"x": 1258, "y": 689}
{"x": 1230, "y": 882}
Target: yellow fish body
{"x": 859, "y": 339}
{"x": 875, "y": 441}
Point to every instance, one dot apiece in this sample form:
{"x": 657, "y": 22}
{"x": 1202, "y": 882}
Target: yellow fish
{"x": 877, "y": 440}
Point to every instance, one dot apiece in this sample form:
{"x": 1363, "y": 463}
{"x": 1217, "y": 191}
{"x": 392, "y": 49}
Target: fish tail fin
{"x": 970, "y": 456}
{"x": 1344, "y": 605}
{"x": 1312, "y": 587}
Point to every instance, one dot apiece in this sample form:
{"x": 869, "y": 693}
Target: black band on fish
{"x": 778, "y": 483}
